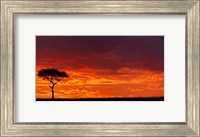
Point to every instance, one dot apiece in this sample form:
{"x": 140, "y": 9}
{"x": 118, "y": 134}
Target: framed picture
{"x": 99, "y": 68}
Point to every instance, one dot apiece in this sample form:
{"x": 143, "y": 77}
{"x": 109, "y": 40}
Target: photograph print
{"x": 99, "y": 68}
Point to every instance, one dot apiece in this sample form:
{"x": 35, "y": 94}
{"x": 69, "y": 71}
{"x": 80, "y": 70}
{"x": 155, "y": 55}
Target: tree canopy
{"x": 53, "y": 75}
{"x": 51, "y": 72}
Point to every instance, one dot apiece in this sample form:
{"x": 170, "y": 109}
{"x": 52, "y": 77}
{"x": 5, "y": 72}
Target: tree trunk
{"x": 52, "y": 92}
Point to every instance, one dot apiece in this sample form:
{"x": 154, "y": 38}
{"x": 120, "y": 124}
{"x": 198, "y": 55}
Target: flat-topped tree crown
{"x": 53, "y": 76}
{"x": 51, "y": 73}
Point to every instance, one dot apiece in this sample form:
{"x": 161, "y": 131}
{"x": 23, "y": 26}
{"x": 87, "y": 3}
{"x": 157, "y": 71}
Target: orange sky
{"x": 102, "y": 66}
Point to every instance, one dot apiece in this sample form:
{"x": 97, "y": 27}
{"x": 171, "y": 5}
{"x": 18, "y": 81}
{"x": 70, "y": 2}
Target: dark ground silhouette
{"x": 105, "y": 99}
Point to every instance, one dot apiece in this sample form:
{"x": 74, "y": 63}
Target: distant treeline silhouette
{"x": 105, "y": 99}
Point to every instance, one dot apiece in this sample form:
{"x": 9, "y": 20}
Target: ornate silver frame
{"x": 10, "y": 8}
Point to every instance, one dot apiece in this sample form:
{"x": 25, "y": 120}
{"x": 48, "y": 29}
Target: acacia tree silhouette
{"x": 52, "y": 75}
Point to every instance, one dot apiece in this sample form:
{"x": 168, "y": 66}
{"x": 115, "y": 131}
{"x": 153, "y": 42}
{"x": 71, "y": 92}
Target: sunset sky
{"x": 102, "y": 66}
